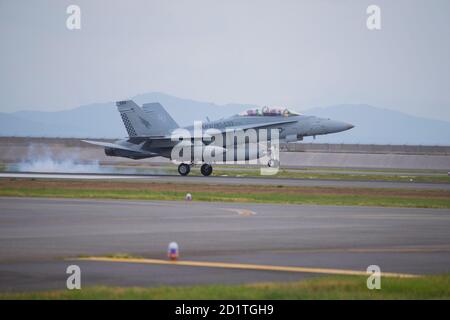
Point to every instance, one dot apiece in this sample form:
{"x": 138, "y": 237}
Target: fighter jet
{"x": 151, "y": 131}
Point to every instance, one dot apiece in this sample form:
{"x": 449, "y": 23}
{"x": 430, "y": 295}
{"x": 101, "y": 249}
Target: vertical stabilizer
{"x": 152, "y": 120}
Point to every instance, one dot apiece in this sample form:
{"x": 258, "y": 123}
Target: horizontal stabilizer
{"x": 117, "y": 146}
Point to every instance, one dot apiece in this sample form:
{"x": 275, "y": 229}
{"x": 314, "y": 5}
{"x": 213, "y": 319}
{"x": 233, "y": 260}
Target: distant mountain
{"x": 12, "y": 125}
{"x": 95, "y": 120}
{"x": 101, "y": 120}
{"x": 185, "y": 111}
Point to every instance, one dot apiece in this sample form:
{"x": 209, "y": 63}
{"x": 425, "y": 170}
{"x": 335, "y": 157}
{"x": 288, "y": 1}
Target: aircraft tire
{"x": 184, "y": 169}
{"x": 206, "y": 169}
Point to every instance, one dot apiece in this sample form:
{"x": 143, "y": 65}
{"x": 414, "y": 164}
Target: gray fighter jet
{"x": 151, "y": 132}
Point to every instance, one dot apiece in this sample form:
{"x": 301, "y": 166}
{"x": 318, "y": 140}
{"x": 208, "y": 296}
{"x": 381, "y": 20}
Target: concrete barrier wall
{"x": 366, "y": 148}
{"x": 289, "y": 147}
{"x": 365, "y": 160}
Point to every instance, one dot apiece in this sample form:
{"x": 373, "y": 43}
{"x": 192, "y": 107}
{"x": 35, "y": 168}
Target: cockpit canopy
{"x": 268, "y": 112}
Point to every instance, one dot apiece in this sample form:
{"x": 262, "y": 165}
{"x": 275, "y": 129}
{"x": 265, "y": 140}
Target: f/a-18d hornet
{"x": 152, "y": 132}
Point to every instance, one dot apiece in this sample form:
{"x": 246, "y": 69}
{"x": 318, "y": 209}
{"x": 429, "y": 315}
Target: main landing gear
{"x": 184, "y": 169}
{"x": 206, "y": 169}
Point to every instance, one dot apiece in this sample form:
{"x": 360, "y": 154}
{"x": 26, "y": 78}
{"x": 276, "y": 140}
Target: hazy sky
{"x": 300, "y": 54}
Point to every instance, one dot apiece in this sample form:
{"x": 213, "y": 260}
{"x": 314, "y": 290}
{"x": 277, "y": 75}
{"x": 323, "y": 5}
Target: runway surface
{"x": 232, "y": 180}
{"x": 36, "y": 235}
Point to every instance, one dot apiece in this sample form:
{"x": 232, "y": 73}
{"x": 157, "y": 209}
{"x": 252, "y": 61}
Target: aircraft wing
{"x": 258, "y": 125}
{"x": 115, "y": 146}
{"x": 222, "y": 131}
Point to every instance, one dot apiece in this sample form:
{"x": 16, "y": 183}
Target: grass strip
{"x": 329, "y": 287}
{"x": 265, "y": 197}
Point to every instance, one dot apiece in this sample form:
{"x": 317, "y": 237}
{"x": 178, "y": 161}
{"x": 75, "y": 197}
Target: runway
{"x": 232, "y": 180}
{"x": 37, "y": 235}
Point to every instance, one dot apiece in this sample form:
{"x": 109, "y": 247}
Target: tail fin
{"x": 152, "y": 121}
{"x": 160, "y": 119}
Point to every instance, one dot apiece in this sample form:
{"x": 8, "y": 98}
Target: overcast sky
{"x": 299, "y": 54}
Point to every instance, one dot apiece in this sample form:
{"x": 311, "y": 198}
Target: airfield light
{"x": 173, "y": 251}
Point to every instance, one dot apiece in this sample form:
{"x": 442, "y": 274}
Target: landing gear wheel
{"x": 206, "y": 169}
{"x": 184, "y": 169}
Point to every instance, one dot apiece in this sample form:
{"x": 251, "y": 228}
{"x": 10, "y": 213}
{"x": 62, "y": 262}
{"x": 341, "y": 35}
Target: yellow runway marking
{"x": 244, "y": 266}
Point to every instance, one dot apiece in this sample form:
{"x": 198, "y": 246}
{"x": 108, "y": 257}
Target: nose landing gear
{"x": 273, "y": 163}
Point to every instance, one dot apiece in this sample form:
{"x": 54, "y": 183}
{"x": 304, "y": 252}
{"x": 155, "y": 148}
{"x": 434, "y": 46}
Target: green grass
{"x": 376, "y": 170}
{"x": 393, "y": 171}
{"x": 299, "y": 174}
{"x": 434, "y": 176}
{"x": 278, "y": 197}
{"x": 336, "y": 287}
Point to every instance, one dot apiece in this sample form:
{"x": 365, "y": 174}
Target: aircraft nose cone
{"x": 338, "y": 126}
{"x": 349, "y": 126}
